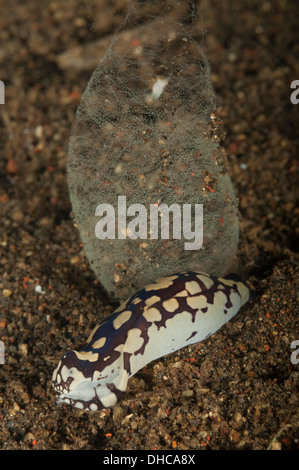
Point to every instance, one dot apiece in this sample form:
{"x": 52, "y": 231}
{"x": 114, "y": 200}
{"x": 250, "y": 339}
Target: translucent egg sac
{"x": 145, "y": 135}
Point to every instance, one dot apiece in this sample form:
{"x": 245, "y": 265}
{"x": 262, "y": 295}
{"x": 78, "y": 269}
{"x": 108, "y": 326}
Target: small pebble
{"x": 17, "y": 215}
{"x": 276, "y": 446}
{"x": 23, "y": 348}
{"x": 235, "y": 436}
{"x": 187, "y": 393}
{"x": 118, "y": 413}
{"x": 6, "y": 292}
{"x": 39, "y": 290}
{"x": 29, "y": 437}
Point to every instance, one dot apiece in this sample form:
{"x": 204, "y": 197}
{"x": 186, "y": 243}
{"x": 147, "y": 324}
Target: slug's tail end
{"x": 244, "y": 291}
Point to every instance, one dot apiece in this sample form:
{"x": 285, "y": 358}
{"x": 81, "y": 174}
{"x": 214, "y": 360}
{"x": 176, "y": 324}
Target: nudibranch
{"x": 167, "y": 315}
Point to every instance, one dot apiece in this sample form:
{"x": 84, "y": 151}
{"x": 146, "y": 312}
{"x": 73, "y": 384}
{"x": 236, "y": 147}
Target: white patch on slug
{"x": 152, "y": 300}
{"x": 161, "y": 283}
{"x": 193, "y": 287}
{"x": 99, "y": 343}
{"x": 87, "y": 356}
{"x": 170, "y": 305}
{"x": 208, "y": 282}
{"x": 134, "y": 341}
{"x": 121, "y": 319}
{"x": 152, "y": 314}
{"x": 183, "y": 293}
{"x": 197, "y": 302}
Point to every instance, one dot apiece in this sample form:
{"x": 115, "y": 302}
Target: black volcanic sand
{"x": 239, "y": 388}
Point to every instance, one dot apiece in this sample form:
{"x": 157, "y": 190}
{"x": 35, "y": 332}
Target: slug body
{"x": 171, "y": 313}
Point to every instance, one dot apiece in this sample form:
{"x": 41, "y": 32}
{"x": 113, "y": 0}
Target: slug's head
{"x": 81, "y": 382}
